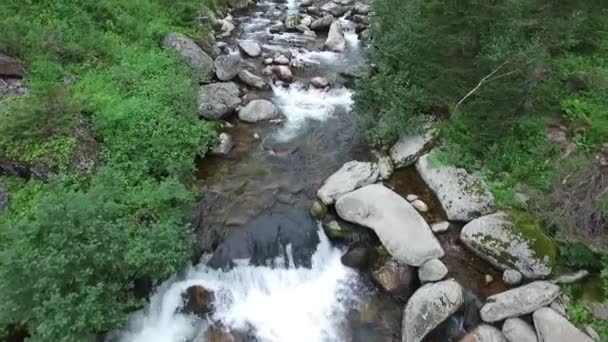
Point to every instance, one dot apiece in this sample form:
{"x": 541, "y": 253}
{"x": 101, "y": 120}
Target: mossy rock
{"x": 512, "y": 240}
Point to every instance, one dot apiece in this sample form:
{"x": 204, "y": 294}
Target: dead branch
{"x": 488, "y": 78}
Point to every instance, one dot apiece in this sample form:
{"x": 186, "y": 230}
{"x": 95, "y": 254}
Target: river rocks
{"x": 201, "y": 64}
{"x": 398, "y": 279}
{"x": 440, "y": 227}
{"x": 485, "y": 333}
{"x": 518, "y": 330}
{"x": 511, "y": 277}
{"x": 420, "y": 206}
{"x": 10, "y": 67}
{"x": 265, "y": 238}
{"x": 217, "y": 100}
{"x": 349, "y": 177}
{"x": 258, "y": 110}
{"x": 592, "y": 333}
{"x": 411, "y": 146}
{"x": 198, "y": 300}
{"x": 402, "y": 231}
{"x": 250, "y": 48}
{"x": 306, "y": 21}
{"x": 252, "y": 80}
{"x": 335, "y": 38}
{"x": 319, "y": 82}
{"x": 411, "y": 197}
{"x": 462, "y": 196}
{"x": 283, "y": 73}
{"x": 552, "y": 327}
{"x": 281, "y": 60}
{"x": 239, "y": 4}
{"x": 224, "y": 145}
{"x": 519, "y": 301}
{"x": 227, "y": 67}
{"x": 359, "y": 256}
{"x": 318, "y": 210}
{"x": 363, "y": 9}
{"x": 432, "y": 270}
{"x": 277, "y": 28}
{"x": 505, "y": 245}
{"x": 385, "y": 168}
{"x": 322, "y": 24}
{"x": 3, "y": 197}
{"x": 333, "y": 8}
{"x": 291, "y": 22}
{"x": 428, "y": 307}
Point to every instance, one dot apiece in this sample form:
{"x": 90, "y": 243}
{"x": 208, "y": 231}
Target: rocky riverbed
{"x": 305, "y": 234}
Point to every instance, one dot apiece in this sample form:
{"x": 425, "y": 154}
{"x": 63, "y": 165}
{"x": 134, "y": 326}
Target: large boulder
{"x": 553, "y": 327}
{"x": 333, "y": 8}
{"x": 227, "y": 66}
{"x": 322, "y": 24}
{"x": 217, "y": 100}
{"x": 10, "y": 67}
{"x": 519, "y": 301}
{"x": 250, "y": 48}
{"x": 521, "y": 245}
{"x": 349, "y": 177}
{"x": 252, "y": 80}
{"x": 258, "y": 110}
{"x": 198, "y": 300}
{"x": 199, "y": 61}
{"x": 411, "y": 146}
{"x": 518, "y": 330}
{"x": 428, "y": 307}
{"x": 335, "y": 38}
{"x": 265, "y": 239}
{"x": 396, "y": 278}
{"x": 463, "y": 196}
{"x": 400, "y": 228}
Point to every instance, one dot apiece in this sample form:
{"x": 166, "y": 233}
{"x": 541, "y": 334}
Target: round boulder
{"x": 198, "y": 300}
{"x": 258, "y": 110}
{"x": 217, "y": 100}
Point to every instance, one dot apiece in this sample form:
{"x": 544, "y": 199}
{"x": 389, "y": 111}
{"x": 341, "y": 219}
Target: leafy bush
{"x": 70, "y": 261}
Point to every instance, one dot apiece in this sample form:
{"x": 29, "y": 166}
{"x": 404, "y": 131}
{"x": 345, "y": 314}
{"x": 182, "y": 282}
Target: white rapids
{"x": 286, "y": 304}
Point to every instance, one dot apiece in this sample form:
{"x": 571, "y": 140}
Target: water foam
{"x": 279, "y": 304}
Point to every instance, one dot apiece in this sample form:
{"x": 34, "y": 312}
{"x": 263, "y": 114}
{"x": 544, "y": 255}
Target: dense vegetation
{"x": 113, "y": 119}
{"x": 522, "y": 90}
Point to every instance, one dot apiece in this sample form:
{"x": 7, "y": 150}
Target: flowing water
{"x": 270, "y": 181}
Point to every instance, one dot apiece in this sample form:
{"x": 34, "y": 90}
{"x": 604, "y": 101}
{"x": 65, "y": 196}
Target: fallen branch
{"x": 489, "y": 78}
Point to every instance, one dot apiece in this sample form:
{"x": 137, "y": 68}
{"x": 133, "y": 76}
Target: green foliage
{"x": 71, "y": 259}
{"x": 581, "y": 316}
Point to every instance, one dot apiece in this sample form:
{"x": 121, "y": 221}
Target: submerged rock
{"x": 432, "y": 270}
{"x": 463, "y": 196}
{"x": 335, "y": 38}
{"x": 522, "y": 246}
{"x": 552, "y": 327}
{"x": 518, "y": 330}
{"x": 201, "y": 64}
{"x": 224, "y": 145}
{"x": 428, "y": 307}
{"x": 519, "y": 301}
{"x": 198, "y": 300}
{"x": 217, "y": 100}
{"x": 401, "y": 229}
{"x": 349, "y": 177}
{"x": 396, "y": 278}
{"x": 227, "y": 67}
{"x": 258, "y": 110}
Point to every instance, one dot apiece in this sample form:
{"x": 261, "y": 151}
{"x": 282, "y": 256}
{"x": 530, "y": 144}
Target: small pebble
{"x": 440, "y": 227}
{"x": 411, "y": 198}
{"x": 489, "y": 279}
{"x": 256, "y": 136}
{"x": 420, "y": 206}
{"x": 511, "y": 277}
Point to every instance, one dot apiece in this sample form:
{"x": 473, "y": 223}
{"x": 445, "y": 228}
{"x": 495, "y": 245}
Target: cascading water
{"x": 276, "y": 304}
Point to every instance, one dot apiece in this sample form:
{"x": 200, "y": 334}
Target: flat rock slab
{"x": 463, "y": 196}
{"x": 217, "y": 100}
{"x": 401, "y": 229}
{"x": 519, "y": 301}
{"x": 428, "y": 307}
{"x": 553, "y": 327}
{"x": 349, "y": 177}
{"x": 494, "y": 238}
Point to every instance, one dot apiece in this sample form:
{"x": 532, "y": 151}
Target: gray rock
{"x": 3, "y": 197}
{"x": 410, "y": 147}
{"x": 292, "y": 22}
{"x": 224, "y": 144}
{"x": 314, "y": 10}
{"x": 333, "y": 8}
{"x": 462, "y": 196}
{"x": 518, "y": 330}
{"x": 322, "y": 24}
{"x": 411, "y": 197}
{"x": 10, "y": 67}
{"x": 440, "y": 227}
{"x": 258, "y": 110}
{"x": 592, "y": 333}
{"x": 360, "y": 19}
{"x": 319, "y": 82}
{"x": 335, "y": 38}
{"x": 553, "y": 327}
{"x": 277, "y": 28}
{"x": 396, "y": 278}
{"x": 281, "y": 60}
{"x": 217, "y": 100}
{"x": 559, "y": 307}
{"x": 267, "y": 71}
{"x": 227, "y": 67}
{"x": 385, "y": 167}
{"x": 420, "y": 206}
{"x": 428, "y": 307}
{"x": 283, "y": 73}
{"x": 201, "y": 64}
{"x": 268, "y": 61}
{"x": 226, "y": 28}
{"x": 349, "y": 177}
{"x": 571, "y": 278}
{"x": 519, "y": 301}
{"x": 252, "y": 80}
{"x": 306, "y": 21}
{"x": 402, "y": 231}
{"x": 359, "y": 256}
{"x": 494, "y": 239}
{"x": 486, "y": 333}
{"x": 362, "y": 9}
{"x": 511, "y": 277}
{"x": 250, "y": 48}
{"x": 432, "y": 270}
